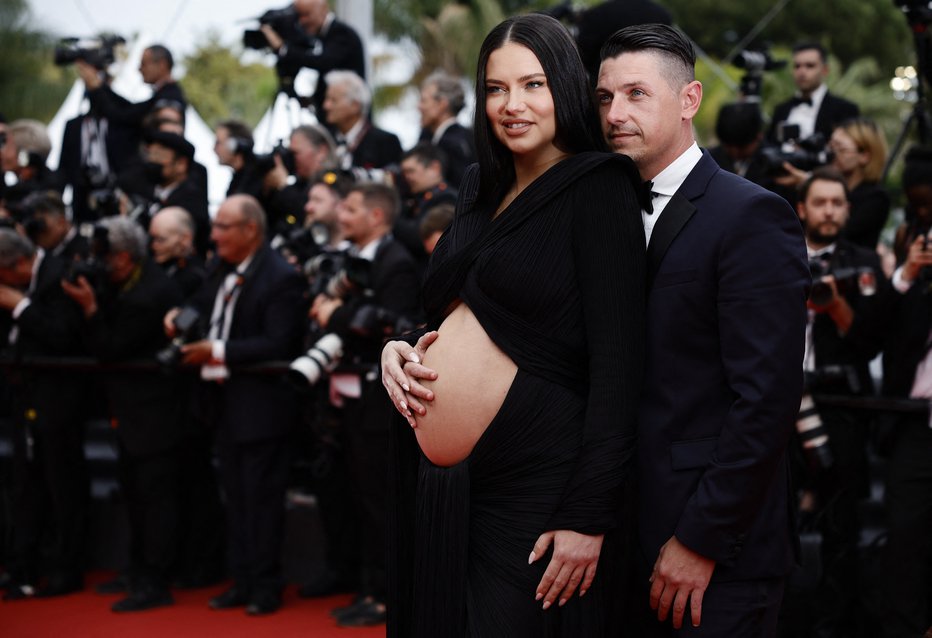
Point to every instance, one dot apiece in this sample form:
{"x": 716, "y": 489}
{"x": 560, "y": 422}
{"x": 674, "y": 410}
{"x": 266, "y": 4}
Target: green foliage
{"x": 30, "y": 84}
{"x": 221, "y": 86}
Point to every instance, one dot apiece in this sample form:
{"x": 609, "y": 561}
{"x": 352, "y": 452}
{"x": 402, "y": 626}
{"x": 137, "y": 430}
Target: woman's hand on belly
{"x": 573, "y": 564}
{"x": 402, "y": 372}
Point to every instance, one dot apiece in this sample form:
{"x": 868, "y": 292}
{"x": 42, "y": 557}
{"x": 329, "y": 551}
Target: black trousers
{"x": 254, "y": 477}
{"x": 152, "y": 486}
{"x": 908, "y": 555}
{"x": 50, "y": 499}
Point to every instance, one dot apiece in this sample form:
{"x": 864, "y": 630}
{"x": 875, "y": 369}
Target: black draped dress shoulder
{"x": 557, "y": 282}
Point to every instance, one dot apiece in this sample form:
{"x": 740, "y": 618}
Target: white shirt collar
{"x": 669, "y": 180}
{"x": 441, "y": 130}
{"x": 354, "y": 133}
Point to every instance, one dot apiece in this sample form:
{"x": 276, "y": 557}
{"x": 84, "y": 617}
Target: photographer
{"x": 50, "y": 486}
{"x": 233, "y": 147}
{"x": 171, "y": 232}
{"x": 442, "y": 98}
{"x": 24, "y": 152}
{"x": 317, "y": 41}
{"x": 908, "y": 440}
{"x": 252, "y": 310}
{"x": 362, "y": 319}
{"x": 843, "y": 334}
{"x": 123, "y": 313}
{"x": 422, "y": 168}
{"x": 46, "y": 224}
{"x": 156, "y": 70}
{"x": 813, "y": 109}
{"x": 311, "y": 149}
{"x": 739, "y": 128}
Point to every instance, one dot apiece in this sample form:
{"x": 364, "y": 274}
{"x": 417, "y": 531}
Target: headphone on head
{"x": 239, "y": 145}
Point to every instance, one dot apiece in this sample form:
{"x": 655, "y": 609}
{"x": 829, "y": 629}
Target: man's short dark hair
{"x": 160, "y": 53}
{"x": 240, "y": 131}
{"x": 675, "y": 48}
{"x": 822, "y": 174}
{"x": 426, "y": 153}
{"x": 377, "y": 195}
{"x": 739, "y": 123}
{"x": 811, "y": 45}
{"x": 45, "y": 202}
{"x": 316, "y": 135}
{"x": 436, "y": 219}
{"x": 340, "y": 182}
{"x": 13, "y": 247}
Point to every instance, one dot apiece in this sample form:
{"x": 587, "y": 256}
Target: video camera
{"x": 805, "y": 155}
{"x": 283, "y": 21}
{"x": 98, "y": 52}
{"x": 186, "y": 324}
{"x": 754, "y": 64}
{"x": 861, "y": 279}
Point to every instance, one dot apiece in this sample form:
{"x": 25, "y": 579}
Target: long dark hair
{"x": 577, "y": 119}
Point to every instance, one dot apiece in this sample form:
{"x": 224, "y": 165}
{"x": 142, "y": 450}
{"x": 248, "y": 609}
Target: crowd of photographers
{"x": 312, "y": 260}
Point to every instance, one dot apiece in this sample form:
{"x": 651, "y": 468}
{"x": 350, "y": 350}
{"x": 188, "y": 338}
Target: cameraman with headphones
{"x": 234, "y": 149}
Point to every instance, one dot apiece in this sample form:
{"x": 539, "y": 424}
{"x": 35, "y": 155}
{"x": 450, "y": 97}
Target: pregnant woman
{"x": 523, "y": 410}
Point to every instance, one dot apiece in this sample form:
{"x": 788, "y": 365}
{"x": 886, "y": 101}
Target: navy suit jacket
{"x": 727, "y": 284}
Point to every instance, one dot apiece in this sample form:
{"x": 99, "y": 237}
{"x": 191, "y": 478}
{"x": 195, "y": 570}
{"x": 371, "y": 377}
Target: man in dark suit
{"x": 845, "y": 333}
{"x": 320, "y": 42}
{"x": 124, "y": 323}
{"x": 727, "y": 282}
{"x": 442, "y": 98}
{"x": 49, "y": 228}
{"x": 422, "y": 168}
{"x": 360, "y": 145}
{"x": 366, "y": 218}
{"x": 813, "y": 108}
{"x": 50, "y": 484}
{"x": 253, "y": 308}
{"x": 156, "y": 70}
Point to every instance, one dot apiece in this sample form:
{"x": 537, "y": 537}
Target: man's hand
{"x": 323, "y": 308}
{"x": 573, "y": 564}
{"x": 792, "y": 177}
{"x": 168, "y": 323}
{"x": 277, "y": 178}
{"x": 10, "y": 297}
{"x": 918, "y": 257}
{"x": 198, "y": 352}
{"x": 83, "y": 294}
{"x": 275, "y": 40}
{"x": 401, "y": 370}
{"x": 679, "y": 574}
{"x": 89, "y": 74}
{"x": 837, "y": 307}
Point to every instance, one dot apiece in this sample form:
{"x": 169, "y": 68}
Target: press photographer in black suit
{"x": 845, "y": 331}
{"x": 48, "y": 227}
{"x": 50, "y": 487}
{"x": 442, "y": 98}
{"x": 252, "y": 310}
{"x": 156, "y": 70}
{"x": 362, "y": 316}
{"x": 233, "y": 147}
{"x": 124, "y": 323}
{"x": 320, "y": 42}
{"x": 24, "y": 154}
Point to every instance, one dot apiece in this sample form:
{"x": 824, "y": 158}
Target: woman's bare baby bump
{"x": 473, "y": 377}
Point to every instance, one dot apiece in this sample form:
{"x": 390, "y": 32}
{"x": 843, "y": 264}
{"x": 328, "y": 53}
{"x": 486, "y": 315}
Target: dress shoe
{"x": 19, "y": 591}
{"x": 363, "y": 615}
{"x": 197, "y": 581}
{"x": 61, "y": 584}
{"x": 235, "y": 596}
{"x": 355, "y": 601}
{"x": 263, "y": 602}
{"x": 118, "y": 585}
{"x": 147, "y": 598}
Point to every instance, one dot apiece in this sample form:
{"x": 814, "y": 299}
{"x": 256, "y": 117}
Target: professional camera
{"x": 862, "y": 279}
{"x": 186, "y": 324}
{"x": 322, "y": 358}
{"x": 302, "y": 244}
{"x": 283, "y": 21}
{"x": 755, "y": 63}
{"x": 94, "y": 267}
{"x": 98, "y": 52}
{"x": 265, "y": 163}
{"x": 812, "y": 433}
{"x": 805, "y": 155}
{"x": 376, "y": 321}
{"x": 336, "y": 274}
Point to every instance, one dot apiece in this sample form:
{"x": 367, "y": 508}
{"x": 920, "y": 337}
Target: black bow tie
{"x": 796, "y": 101}
{"x": 646, "y": 196}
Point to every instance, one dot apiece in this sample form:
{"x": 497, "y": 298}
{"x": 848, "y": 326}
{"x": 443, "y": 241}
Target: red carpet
{"x": 88, "y": 615}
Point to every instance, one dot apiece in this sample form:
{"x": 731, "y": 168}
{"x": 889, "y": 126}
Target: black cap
{"x": 175, "y": 142}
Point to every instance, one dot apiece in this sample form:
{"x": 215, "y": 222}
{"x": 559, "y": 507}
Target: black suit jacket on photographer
{"x": 120, "y": 110}
{"x": 51, "y": 327}
{"x": 268, "y": 324}
{"x": 833, "y": 111}
{"x": 337, "y": 46}
{"x": 191, "y": 197}
{"x": 128, "y": 326}
{"x": 864, "y": 339}
{"x": 395, "y": 287}
{"x": 457, "y": 142}
{"x": 377, "y": 149}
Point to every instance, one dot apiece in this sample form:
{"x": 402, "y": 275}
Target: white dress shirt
{"x": 667, "y": 182}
